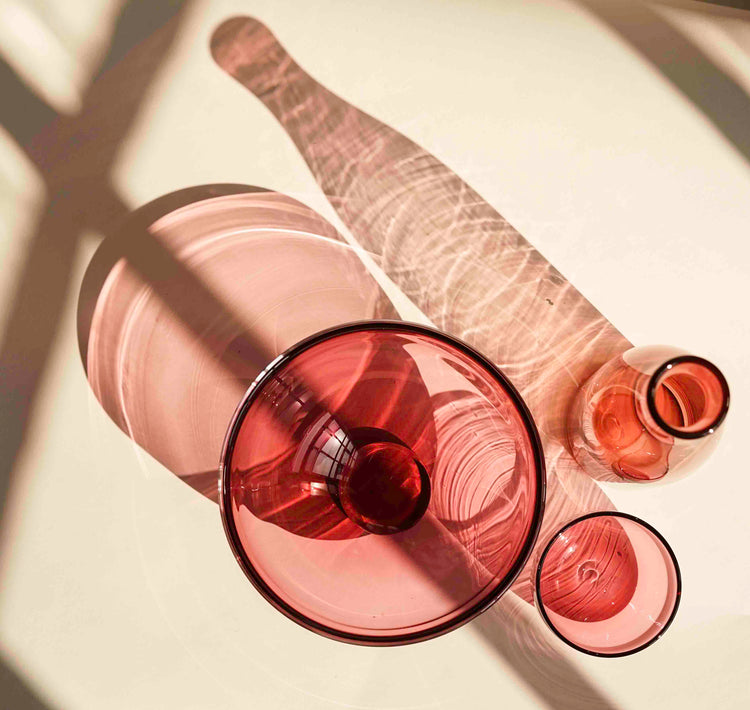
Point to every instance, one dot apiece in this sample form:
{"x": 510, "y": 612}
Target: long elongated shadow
{"x": 716, "y": 95}
{"x": 460, "y": 261}
{"x": 74, "y": 157}
{"x": 448, "y": 250}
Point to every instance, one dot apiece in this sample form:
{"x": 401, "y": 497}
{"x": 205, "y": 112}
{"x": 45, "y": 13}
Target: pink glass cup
{"x": 382, "y": 483}
{"x": 608, "y": 584}
{"x": 652, "y": 413}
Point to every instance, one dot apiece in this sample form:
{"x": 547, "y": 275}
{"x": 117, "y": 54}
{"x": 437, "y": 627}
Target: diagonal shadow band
{"x": 16, "y": 692}
{"x": 22, "y": 113}
{"x": 690, "y": 71}
{"x": 58, "y": 148}
{"x": 714, "y": 6}
{"x": 74, "y": 156}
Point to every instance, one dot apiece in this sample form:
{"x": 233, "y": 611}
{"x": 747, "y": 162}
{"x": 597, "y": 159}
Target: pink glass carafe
{"x": 649, "y": 414}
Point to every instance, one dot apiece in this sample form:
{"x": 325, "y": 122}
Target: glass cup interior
{"x": 608, "y": 584}
{"x": 382, "y": 483}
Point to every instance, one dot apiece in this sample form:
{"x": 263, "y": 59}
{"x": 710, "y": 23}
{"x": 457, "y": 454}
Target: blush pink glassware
{"x": 608, "y": 584}
{"x": 651, "y": 413}
{"x": 382, "y": 483}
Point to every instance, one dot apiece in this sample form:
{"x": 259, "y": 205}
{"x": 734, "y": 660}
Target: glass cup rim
{"x": 606, "y": 514}
{"x": 256, "y": 578}
{"x": 653, "y": 383}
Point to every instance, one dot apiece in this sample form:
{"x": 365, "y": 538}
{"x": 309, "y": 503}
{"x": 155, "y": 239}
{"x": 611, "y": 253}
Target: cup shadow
{"x": 193, "y": 296}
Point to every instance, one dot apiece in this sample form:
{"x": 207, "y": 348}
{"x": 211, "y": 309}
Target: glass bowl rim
{"x": 256, "y": 578}
{"x": 606, "y": 514}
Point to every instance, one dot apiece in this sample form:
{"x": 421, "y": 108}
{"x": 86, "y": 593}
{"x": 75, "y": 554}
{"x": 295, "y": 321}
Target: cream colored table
{"x": 617, "y": 142}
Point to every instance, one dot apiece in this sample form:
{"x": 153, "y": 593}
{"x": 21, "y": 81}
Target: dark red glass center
{"x": 592, "y": 571}
{"x": 384, "y": 489}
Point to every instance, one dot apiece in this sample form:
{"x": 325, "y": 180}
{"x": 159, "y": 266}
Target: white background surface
{"x": 117, "y": 588}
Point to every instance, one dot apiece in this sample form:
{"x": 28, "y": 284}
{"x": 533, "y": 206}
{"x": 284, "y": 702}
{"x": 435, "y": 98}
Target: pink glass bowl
{"x": 608, "y": 584}
{"x": 382, "y": 483}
